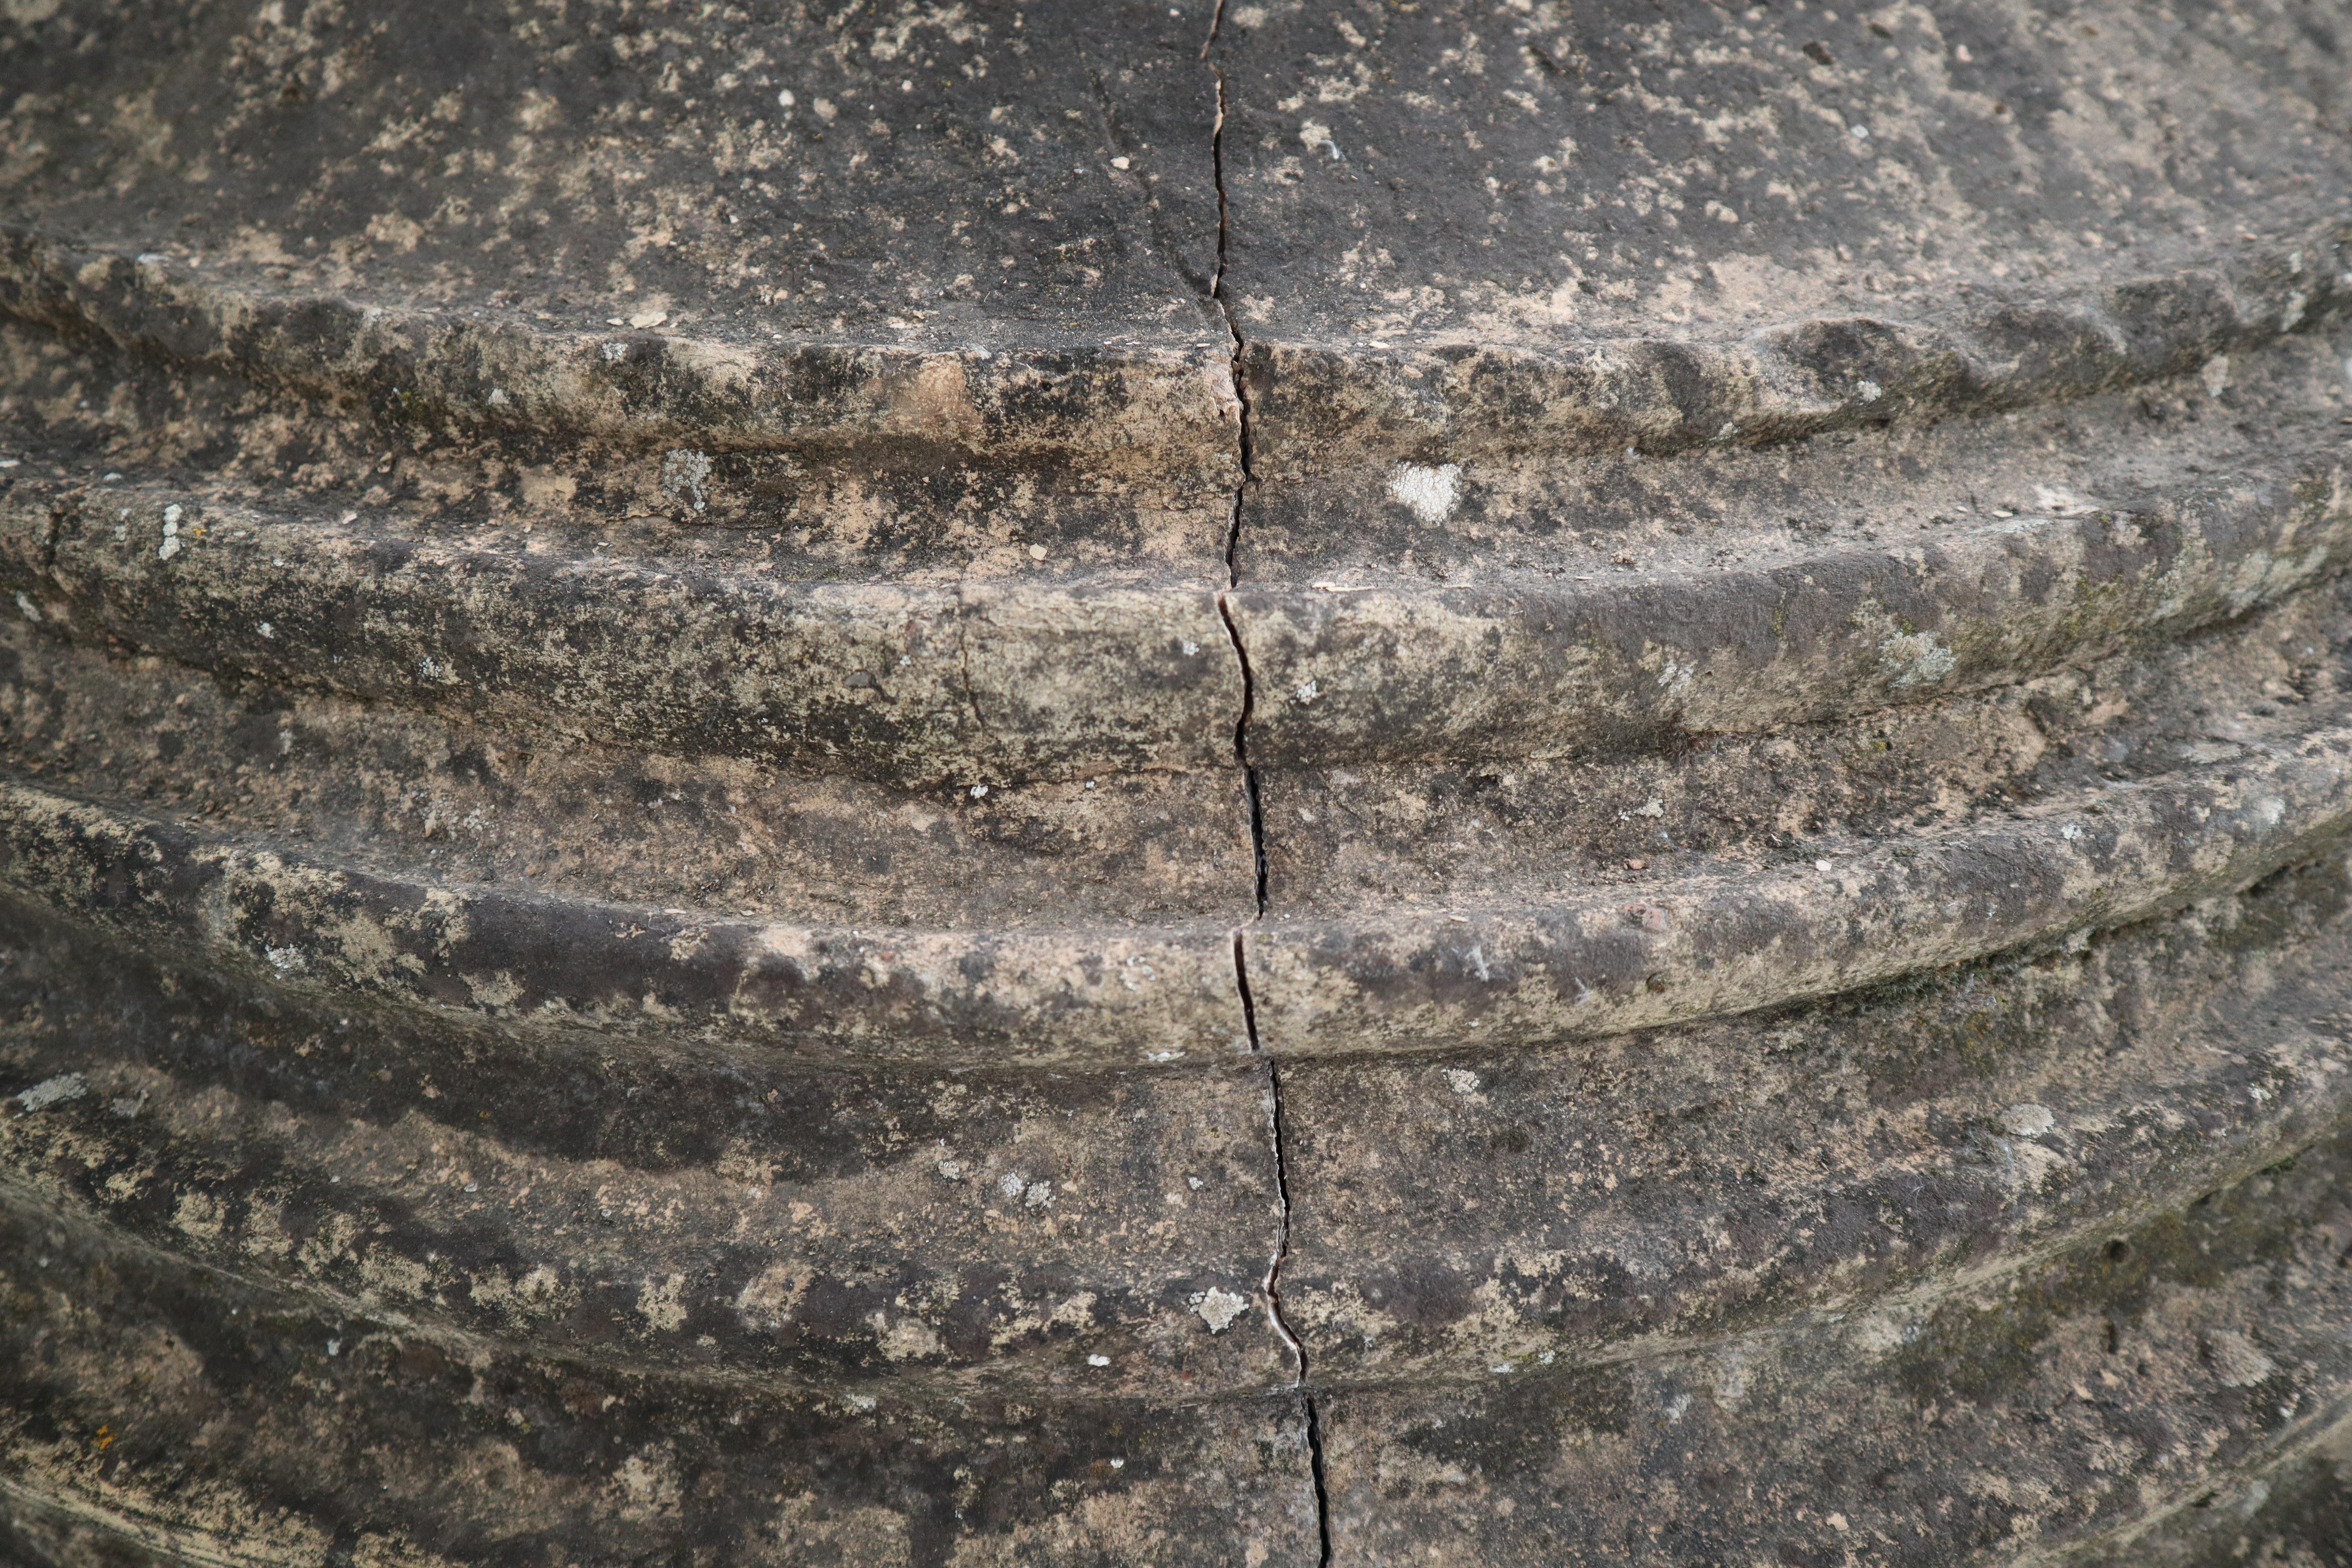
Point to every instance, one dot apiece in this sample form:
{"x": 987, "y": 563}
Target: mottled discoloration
{"x": 562, "y": 964}
{"x": 970, "y": 786}
{"x": 1655, "y": 1193}
{"x": 722, "y": 1213}
{"x": 210, "y": 1420}
{"x": 1516, "y": 177}
{"x": 2005, "y": 1422}
{"x": 1624, "y": 602}
{"x": 969, "y": 682}
{"x": 1705, "y": 946}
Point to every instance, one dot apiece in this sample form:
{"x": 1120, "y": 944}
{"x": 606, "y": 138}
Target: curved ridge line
{"x": 1528, "y": 671}
{"x": 1715, "y": 946}
{"x": 1450, "y": 399}
{"x": 1791, "y": 378}
{"x": 639, "y": 388}
{"x": 1711, "y": 946}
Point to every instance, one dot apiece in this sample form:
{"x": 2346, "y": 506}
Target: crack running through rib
{"x": 1277, "y": 1128}
{"x": 1241, "y": 491}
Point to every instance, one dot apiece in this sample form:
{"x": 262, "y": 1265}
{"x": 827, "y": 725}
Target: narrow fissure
{"x": 1281, "y": 1133}
{"x": 1249, "y": 773}
{"x": 1277, "y": 1127}
{"x": 1240, "y": 496}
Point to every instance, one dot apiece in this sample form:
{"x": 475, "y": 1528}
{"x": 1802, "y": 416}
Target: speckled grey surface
{"x": 1129, "y": 785}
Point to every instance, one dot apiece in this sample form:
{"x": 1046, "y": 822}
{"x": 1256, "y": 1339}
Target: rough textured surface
{"x": 1153, "y": 784}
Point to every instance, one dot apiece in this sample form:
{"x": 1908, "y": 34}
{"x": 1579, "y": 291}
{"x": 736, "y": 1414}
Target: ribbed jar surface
{"x": 1103, "y": 783}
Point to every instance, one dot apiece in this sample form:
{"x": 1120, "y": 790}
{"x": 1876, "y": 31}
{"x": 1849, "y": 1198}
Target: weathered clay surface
{"x": 1161, "y": 785}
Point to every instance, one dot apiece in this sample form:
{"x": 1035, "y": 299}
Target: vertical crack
{"x": 1216, "y": 20}
{"x": 1277, "y": 1127}
{"x": 1241, "y": 491}
{"x": 1241, "y": 756}
{"x": 1281, "y": 1134}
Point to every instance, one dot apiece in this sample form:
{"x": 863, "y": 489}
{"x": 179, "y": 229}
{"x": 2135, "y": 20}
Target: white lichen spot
{"x": 2028, "y": 1120}
{"x": 1461, "y": 1080}
{"x": 1038, "y": 1194}
{"x": 1218, "y": 1308}
{"x": 647, "y": 1485}
{"x": 285, "y": 959}
{"x": 615, "y": 353}
{"x": 1916, "y": 659}
{"x": 1313, "y": 135}
{"x": 53, "y": 1091}
{"x": 2070, "y": 831}
{"x": 860, "y": 1400}
{"x": 1869, "y": 391}
{"x": 197, "y": 1215}
{"x": 978, "y": 791}
{"x": 1187, "y": 644}
{"x": 684, "y": 474}
{"x": 2236, "y": 1359}
{"x": 1010, "y": 1183}
{"x": 660, "y": 1299}
{"x": 170, "y": 545}
{"x": 1097, "y": 1361}
{"x": 24, "y": 602}
{"x": 909, "y": 1339}
{"x": 2215, "y": 374}
{"x": 1430, "y": 494}
{"x": 951, "y": 1170}
{"x": 1308, "y": 690}
{"x": 2270, "y": 811}
{"x": 268, "y": 631}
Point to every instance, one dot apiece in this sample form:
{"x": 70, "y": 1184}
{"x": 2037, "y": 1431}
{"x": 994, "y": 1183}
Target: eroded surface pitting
{"x": 1621, "y": 603}
{"x": 1656, "y": 1194}
{"x": 219, "y": 1423}
{"x": 2299, "y": 1512}
{"x": 648, "y": 917}
{"x": 2158, "y": 1363}
{"x": 726, "y": 1216}
{"x": 1448, "y": 210}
